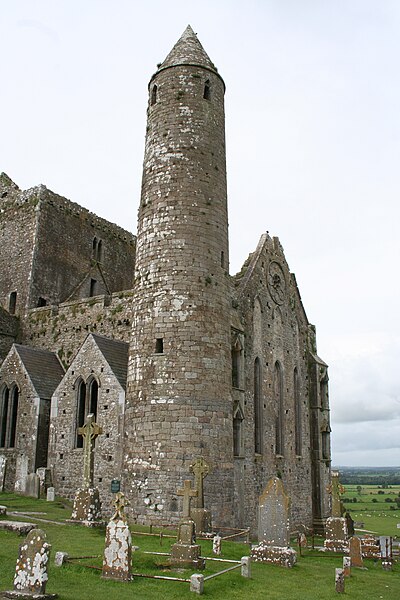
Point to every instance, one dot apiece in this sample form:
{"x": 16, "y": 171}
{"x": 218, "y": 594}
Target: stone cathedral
{"x": 176, "y": 358}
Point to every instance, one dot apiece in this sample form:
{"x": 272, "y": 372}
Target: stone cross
{"x": 89, "y": 432}
{"x": 187, "y": 492}
{"x": 336, "y": 488}
{"x": 200, "y": 469}
{"x": 120, "y": 502}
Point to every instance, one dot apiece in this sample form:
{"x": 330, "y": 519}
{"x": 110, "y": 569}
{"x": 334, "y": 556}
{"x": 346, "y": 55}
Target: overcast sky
{"x": 313, "y": 140}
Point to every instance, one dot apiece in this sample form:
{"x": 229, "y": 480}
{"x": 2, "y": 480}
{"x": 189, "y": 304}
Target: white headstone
{"x": 50, "y": 494}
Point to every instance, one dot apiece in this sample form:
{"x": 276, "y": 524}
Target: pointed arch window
{"x": 278, "y": 400}
{"x": 238, "y": 419}
{"x": 87, "y": 397}
{"x": 80, "y": 411}
{"x": 93, "y": 390}
{"x": 237, "y": 361}
{"x": 8, "y": 416}
{"x": 258, "y": 414}
{"x": 297, "y": 414}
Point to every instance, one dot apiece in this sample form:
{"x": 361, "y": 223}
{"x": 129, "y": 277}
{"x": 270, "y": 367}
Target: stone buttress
{"x": 179, "y": 403}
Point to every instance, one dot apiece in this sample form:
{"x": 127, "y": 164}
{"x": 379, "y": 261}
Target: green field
{"x": 374, "y": 506}
{"x": 312, "y": 577}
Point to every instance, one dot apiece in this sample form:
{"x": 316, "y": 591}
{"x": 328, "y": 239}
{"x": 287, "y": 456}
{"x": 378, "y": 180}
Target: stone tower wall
{"x": 179, "y": 392}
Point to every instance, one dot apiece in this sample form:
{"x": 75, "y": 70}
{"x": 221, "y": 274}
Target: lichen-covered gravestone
{"x": 273, "y": 526}
{"x": 3, "y": 463}
{"x": 355, "y": 552}
{"x": 117, "y": 559}
{"x": 186, "y": 553}
{"x": 87, "y": 507}
{"x": 31, "y": 577}
{"x": 32, "y": 485}
{"x": 336, "y": 538}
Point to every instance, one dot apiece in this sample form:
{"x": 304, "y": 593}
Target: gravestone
{"x": 21, "y": 473}
{"x": 385, "y": 544}
{"x": 3, "y": 464}
{"x": 87, "y": 507}
{"x": 217, "y": 544}
{"x": 336, "y": 538}
{"x": 46, "y": 480}
{"x": 186, "y": 553}
{"x": 200, "y": 516}
{"x": 31, "y": 576}
{"x": 370, "y": 546}
{"x": 50, "y": 494}
{"x": 339, "y": 581}
{"x": 273, "y": 527}
{"x": 355, "y": 552}
{"x": 117, "y": 559}
{"x": 346, "y": 566}
{"x": 32, "y": 485}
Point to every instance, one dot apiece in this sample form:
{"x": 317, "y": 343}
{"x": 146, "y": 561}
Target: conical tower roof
{"x": 188, "y": 51}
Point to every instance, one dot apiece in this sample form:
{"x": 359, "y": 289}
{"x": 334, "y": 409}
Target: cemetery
{"x": 46, "y": 554}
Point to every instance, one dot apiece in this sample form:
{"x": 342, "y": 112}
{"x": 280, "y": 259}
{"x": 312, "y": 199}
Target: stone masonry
{"x": 180, "y": 359}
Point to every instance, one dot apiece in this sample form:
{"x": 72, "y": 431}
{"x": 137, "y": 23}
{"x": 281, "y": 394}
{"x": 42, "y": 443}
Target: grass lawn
{"x": 311, "y": 578}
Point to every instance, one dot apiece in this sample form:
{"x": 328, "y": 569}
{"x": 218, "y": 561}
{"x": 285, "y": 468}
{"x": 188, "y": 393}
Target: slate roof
{"x": 43, "y": 368}
{"x": 188, "y": 50}
{"x": 116, "y": 354}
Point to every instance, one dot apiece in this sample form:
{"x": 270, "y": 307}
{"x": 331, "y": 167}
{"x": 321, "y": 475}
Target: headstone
{"x": 61, "y": 558}
{"x": 217, "y": 539}
{"x": 87, "y": 507}
{"x": 355, "y": 552}
{"x": 117, "y": 559}
{"x": 21, "y": 473}
{"x": 303, "y": 540}
{"x": 336, "y": 538}
{"x": 32, "y": 485}
{"x": 339, "y": 581}
{"x": 50, "y": 494}
{"x": 273, "y": 526}
{"x": 385, "y": 544}
{"x": 46, "y": 480}
{"x": 370, "y": 547}
{"x": 186, "y": 553}
{"x": 197, "y": 583}
{"x": 31, "y": 576}
{"x": 245, "y": 562}
{"x": 346, "y": 566}
{"x": 3, "y": 464}
{"x": 200, "y": 516}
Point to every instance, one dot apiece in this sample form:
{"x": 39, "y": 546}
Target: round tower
{"x": 179, "y": 405}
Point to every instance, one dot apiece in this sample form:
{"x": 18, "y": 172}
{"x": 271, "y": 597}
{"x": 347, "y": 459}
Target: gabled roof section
{"x": 188, "y": 50}
{"x": 116, "y": 354}
{"x": 43, "y": 368}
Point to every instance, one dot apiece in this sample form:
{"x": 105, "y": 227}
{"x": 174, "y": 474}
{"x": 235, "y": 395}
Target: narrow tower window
{"x": 12, "y": 303}
{"x": 99, "y": 253}
{"x": 13, "y": 416}
{"x": 153, "y": 95}
{"x": 159, "y": 345}
{"x": 207, "y": 90}
{"x": 258, "y": 437}
{"x": 4, "y": 415}
{"x": 278, "y": 400}
{"x": 93, "y": 287}
{"x": 238, "y": 431}
{"x": 41, "y": 302}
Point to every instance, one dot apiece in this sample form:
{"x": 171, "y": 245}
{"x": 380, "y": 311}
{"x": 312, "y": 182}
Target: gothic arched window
{"x": 80, "y": 411}
{"x": 12, "y": 425}
{"x": 5, "y": 397}
{"x": 278, "y": 400}
{"x": 153, "y": 95}
{"x": 258, "y": 413}
{"x": 207, "y": 90}
{"x": 297, "y": 414}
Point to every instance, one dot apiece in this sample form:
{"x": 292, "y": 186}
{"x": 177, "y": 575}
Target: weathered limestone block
{"x": 370, "y": 547}
{"x": 61, "y": 558}
{"x": 346, "y": 566}
{"x": 31, "y": 576}
{"x": 117, "y": 559}
{"x": 217, "y": 544}
{"x": 3, "y": 510}
{"x": 197, "y": 583}
{"x": 246, "y": 566}
{"x": 17, "y": 526}
{"x": 336, "y": 535}
{"x": 263, "y": 552}
{"x": 87, "y": 507}
{"x": 339, "y": 581}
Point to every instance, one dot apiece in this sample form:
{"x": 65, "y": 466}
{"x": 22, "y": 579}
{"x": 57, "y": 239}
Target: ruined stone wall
{"x": 65, "y": 259}
{"x": 276, "y": 329}
{"x": 18, "y": 218}
{"x": 179, "y": 392}
{"x": 9, "y": 327}
{"x": 63, "y": 329}
{"x": 21, "y": 458}
{"x": 65, "y": 459}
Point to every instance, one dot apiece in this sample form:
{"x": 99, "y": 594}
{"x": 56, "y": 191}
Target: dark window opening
{"x": 93, "y": 398}
{"x": 12, "y": 303}
{"x": 278, "y": 400}
{"x": 258, "y": 437}
{"x": 207, "y": 90}
{"x": 222, "y": 259}
{"x": 237, "y": 433}
{"x": 13, "y": 417}
{"x": 153, "y": 95}
{"x": 4, "y": 416}
{"x": 159, "y": 345}
{"x": 99, "y": 254}
{"x": 93, "y": 287}
{"x": 41, "y": 302}
{"x": 80, "y": 412}
{"x": 326, "y": 445}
